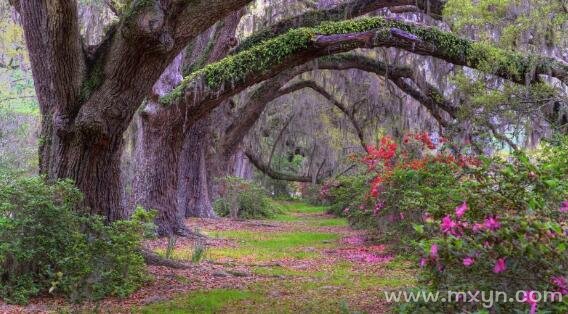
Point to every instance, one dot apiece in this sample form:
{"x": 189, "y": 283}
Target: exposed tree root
{"x": 187, "y": 233}
{"x": 247, "y": 265}
{"x": 154, "y": 259}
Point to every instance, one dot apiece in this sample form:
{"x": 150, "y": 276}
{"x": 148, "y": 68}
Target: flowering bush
{"x": 474, "y": 224}
{"x": 510, "y": 233}
{"x": 406, "y": 182}
{"x": 347, "y": 196}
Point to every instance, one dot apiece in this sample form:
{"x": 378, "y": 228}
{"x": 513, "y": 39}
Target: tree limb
{"x": 56, "y": 53}
{"x": 261, "y": 166}
{"x": 278, "y": 138}
{"x": 154, "y": 259}
{"x": 204, "y": 90}
{"x": 343, "y": 11}
{"x": 112, "y": 7}
{"x": 320, "y": 90}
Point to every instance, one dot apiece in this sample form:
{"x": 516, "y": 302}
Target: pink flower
{"x": 434, "y": 251}
{"x": 492, "y": 223}
{"x": 401, "y": 216}
{"x": 500, "y": 266}
{"x": 468, "y": 261}
{"x": 346, "y": 210}
{"x": 378, "y": 207}
{"x": 531, "y": 298}
{"x": 423, "y": 262}
{"x": 460, "y": 210}
{"x": 448, "y": 226}
{"x": 478, "y": 227}
{"x": 564, "y": 207}
{"x": 561, "y": 284}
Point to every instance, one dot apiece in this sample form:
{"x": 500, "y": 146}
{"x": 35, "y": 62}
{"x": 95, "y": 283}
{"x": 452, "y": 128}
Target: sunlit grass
{"x": 326, "y": 289}
{"x": 291, "y": 211}
{"x": 255, "y": 246}
{"x": 330, "y": 287}
{"x": 299, "y": 207}
{"x": 331, "y": 222}
{"x": 200, "y": 302}
{"x": 270, "y": 246}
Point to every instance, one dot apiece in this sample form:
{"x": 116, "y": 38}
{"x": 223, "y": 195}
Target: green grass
{"x": 264, "y": 246}
{"x": 299, "y": 207}
{"x": 199, "y": 302}
{"x": 326, "y": 288}
{"x": 305, "y": 291}
{"x": 331, "y": 222}
{"x": 269, "y": 246}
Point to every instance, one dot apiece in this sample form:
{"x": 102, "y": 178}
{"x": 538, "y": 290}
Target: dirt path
{"x": 302, "y": 261}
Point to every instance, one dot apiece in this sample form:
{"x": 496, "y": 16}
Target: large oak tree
{"x": 89, "y": 95}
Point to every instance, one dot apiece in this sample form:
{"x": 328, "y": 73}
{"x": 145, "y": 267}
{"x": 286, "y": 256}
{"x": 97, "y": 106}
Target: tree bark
{"x": 156, "y": 179}
{"x": 194, "y": 186}
{"x": 181, "y": 156}
{"x": 89, "y": 96}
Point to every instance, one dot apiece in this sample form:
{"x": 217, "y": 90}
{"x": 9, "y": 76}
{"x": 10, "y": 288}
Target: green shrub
{"x": 349, "y": 196}
{"x": 243, "y": 199}
{"x": 486, "y": 224}
{"x": 512, "y": 237}
{"x": 47, "y": 245}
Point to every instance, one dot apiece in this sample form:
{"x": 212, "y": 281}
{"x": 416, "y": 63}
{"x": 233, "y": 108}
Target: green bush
{"x": 513, "y": 235}
{"x": 243, "y": 199}
{"x": 47, "y": 245}
{"x": 476, "y": 224}
{"x": 349, "y": 196}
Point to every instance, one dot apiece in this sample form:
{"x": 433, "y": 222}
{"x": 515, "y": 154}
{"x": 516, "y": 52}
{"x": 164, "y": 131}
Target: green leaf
{"x": 418, "y": 228}
{"x": 561, "y": 248}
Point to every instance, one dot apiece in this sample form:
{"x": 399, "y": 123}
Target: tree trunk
{"x": 89, "y": 95}
{"x": 93, "y": 164}
{"x": 156, "y": 177}
{"x": 194, "y": 183}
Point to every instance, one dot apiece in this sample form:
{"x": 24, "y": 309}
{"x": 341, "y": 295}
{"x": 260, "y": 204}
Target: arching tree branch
{"x": 205, "y": 89}
{"x": 336, "y": 103}
{"x": 261, "y": 166}
{"x": 343, "y": 11}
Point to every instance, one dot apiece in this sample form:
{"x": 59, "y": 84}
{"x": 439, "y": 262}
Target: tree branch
{"x": 112, "y": 7}
{"x": 344, "y": 11}
{"x": 204, "y": 13}
{"x": 204, "y": 90}
{"x": 56, "y": 53}
{"x": 261, "y": 166}
{"x": 320, "y": 90}
{"x": 278, "y": 138}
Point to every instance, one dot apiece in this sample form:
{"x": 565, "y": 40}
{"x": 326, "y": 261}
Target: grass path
{"x": 302, "y": 261}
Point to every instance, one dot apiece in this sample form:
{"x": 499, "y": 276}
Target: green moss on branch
{"x": 272, "y": 52}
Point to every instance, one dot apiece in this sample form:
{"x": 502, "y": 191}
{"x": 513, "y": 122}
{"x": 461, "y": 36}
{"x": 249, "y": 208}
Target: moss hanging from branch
{"x": 274, "y": 52}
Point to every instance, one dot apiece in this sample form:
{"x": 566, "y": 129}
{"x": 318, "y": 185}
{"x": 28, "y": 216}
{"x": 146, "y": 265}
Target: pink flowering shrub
{"x": 473, "y": 224}
{"x": 508, "y": 232}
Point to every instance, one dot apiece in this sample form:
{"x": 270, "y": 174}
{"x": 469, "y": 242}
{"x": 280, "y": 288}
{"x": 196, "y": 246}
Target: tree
{"x": 89, "y": 96}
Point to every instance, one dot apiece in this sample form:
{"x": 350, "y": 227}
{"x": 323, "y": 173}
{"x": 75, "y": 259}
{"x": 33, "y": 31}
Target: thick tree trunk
{"x": 192, "y": 193}
{"x": 89, "y": 95}
{"x": 159, "y": 141}
{"x": 194, "y": 181}
{"x": 156, "y": 177}
{"x": 93, "y": 164}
